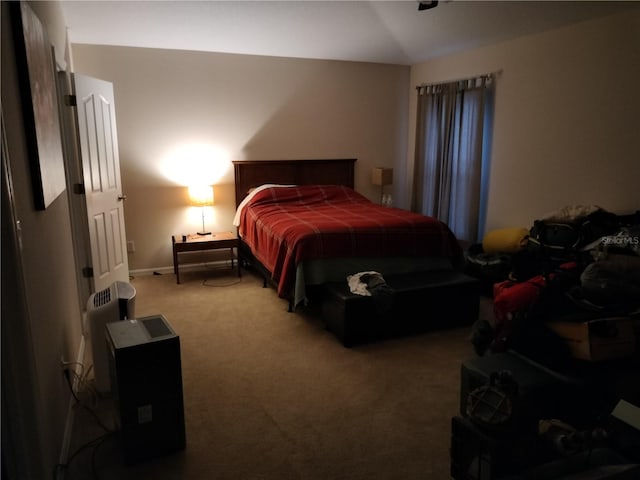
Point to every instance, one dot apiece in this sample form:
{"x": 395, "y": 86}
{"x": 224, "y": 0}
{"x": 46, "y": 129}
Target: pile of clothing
{"x": 577, "y": 263}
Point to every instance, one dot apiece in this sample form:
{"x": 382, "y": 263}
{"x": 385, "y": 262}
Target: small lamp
{"x": 382, "y": 176}
{"x": 201, "y": 196}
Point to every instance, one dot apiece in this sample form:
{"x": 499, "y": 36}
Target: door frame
{"x": 75, "y": 189}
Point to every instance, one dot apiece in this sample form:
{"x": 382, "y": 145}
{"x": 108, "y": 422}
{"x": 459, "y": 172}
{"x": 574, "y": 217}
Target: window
{"x": 451, "y": 166}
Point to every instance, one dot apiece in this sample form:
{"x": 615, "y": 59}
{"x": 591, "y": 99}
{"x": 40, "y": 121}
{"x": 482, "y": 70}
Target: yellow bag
{"x": 505, "y": 240}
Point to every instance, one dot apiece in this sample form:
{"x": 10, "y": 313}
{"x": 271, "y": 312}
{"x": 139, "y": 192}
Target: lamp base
{"x": 203, "y": 233}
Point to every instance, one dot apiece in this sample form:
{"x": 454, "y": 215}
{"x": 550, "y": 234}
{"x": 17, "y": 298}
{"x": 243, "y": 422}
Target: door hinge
{"x": 70, "y": 101}
{"x": 87, "y": 272}
{"x": 78, "y": 188}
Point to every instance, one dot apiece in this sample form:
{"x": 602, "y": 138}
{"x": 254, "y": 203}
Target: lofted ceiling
{"x": 394, "y": 32}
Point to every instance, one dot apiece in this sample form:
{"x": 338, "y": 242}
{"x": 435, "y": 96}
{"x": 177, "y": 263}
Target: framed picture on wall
{"x": 36, "y": 70}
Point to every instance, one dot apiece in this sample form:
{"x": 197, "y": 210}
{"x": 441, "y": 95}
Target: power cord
{"x": 60, "y": 468}
{"x": 206, "y": 283}
{"x": 80, "y": 379}
{"x": 211, "y": 267}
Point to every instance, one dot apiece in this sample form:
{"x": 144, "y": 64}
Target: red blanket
{"x": 285, "y": 226}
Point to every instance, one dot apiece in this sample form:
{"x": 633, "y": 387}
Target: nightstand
{"x": 195, "y": 243}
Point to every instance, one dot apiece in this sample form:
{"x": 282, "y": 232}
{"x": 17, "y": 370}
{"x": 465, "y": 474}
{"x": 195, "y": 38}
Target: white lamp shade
{"x": 382, "y": 176}
{"x": 201, "y": 195}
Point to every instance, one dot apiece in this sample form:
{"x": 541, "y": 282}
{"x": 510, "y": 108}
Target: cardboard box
{"x": 597, "y": 340}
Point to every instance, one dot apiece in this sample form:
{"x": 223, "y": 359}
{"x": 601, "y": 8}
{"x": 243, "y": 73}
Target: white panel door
{"x": 102, "y": 184}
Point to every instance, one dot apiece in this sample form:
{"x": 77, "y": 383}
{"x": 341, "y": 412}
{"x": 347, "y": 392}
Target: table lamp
{"x": 382, "y": 176}
{"x": 201, "y": 196}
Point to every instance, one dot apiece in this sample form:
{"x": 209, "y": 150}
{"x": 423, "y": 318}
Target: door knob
{"x": 122, "y": 197}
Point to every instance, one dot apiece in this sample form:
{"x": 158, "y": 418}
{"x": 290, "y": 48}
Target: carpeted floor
{"x": 270, "y": 394}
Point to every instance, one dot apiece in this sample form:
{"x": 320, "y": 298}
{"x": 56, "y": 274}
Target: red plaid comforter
{"x": 285, "y": 226}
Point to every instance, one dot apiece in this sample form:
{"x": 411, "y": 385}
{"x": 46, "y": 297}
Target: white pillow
{"x": 236, "y": 218}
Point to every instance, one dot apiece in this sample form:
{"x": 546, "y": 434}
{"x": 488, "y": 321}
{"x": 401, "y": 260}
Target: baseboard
{"x": 151, "y": 271}
{"x": 184, "y": 267}
{"x": 68, "y": 429}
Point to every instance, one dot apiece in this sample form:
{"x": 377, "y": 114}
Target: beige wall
{"x": 566, "y": 118}
{"x": 564, "y": 129}
{"x": 241, "y": 107}
{"x": 41, "y": 311}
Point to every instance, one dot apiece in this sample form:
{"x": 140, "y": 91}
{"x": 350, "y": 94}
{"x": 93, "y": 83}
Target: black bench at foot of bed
{"x": 419, "y": 302}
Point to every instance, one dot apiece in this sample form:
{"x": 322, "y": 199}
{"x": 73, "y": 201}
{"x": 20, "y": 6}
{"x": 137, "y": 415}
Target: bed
{"x": 303, "y": 225}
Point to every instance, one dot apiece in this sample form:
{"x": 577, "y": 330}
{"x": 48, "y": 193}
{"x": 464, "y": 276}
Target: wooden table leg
{"x": 176, "y": 270}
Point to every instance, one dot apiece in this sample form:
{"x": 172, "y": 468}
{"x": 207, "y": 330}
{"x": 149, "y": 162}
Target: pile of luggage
{"x": 578, "y": 261}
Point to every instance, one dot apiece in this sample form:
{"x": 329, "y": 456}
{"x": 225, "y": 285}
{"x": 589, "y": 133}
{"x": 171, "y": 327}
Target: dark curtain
{"x": 453, "y": 137}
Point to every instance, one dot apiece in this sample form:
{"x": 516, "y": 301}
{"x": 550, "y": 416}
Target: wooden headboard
{"x": 253, "y": 173}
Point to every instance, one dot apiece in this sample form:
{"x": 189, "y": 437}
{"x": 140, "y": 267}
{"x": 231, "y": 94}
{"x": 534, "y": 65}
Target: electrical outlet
{"x": 131, "y": 246}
